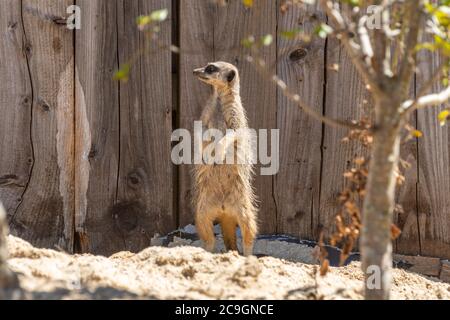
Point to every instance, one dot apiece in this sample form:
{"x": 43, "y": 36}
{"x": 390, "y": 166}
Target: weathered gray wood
{"x": 445, "y": 271}
{"x": 145, "y": 189}
{"x": 434, "y": 170}
{"x": 406, "y": 195}
{"x": 15, "y": 107}
{"x": 125, "y": 188}
{"x": 423, "y": 265}
{"x": 346, "y": 98}
{"x": 44, "y": 215}
{"x": 234, "y": 23}
{"x": 297, "y": 185}
{"x": 196, "y": 43}
{"x": 97, "y": 105}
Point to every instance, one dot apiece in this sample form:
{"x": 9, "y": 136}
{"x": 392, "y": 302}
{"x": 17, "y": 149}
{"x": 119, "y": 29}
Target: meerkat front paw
{"x": 220, "y": 153}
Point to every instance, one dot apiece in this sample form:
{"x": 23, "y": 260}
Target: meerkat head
{"x": 218, "y": 74}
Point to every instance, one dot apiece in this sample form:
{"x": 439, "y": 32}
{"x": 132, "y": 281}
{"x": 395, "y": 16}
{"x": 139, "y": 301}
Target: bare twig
{"x": 260, "y": 66}
{"x": 431, "y": 100}
{"x": 353, "y": 49}
{"x": 411, "y": 105}
{"x": 411, "y": 29}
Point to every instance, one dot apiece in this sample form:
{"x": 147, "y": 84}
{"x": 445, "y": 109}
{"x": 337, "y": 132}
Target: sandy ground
{"x": 191, "y": 273}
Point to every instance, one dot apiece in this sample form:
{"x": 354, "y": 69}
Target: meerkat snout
{"x": 218, "y": 74}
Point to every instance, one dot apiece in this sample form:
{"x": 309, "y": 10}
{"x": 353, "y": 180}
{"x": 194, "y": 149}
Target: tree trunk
{"x": 7, "y": 278}
{"x": 379, "y": 203}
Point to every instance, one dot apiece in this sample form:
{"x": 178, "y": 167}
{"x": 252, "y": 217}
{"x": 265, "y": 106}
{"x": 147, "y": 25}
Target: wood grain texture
{"x": 297, "y": 185}
{"x": 197, "y": 49}
{"x": 347, "y": 99}
{"x": 44, "y": 215}
{"x": 126, "y": 194}
{"x": 96, "y": 61}
{"x": 434, "y": 170}
{"x": 406, "y": 196}
{"x": 16, "y": 154}
{"x": 423, "y": 265}
{"x": 445, "y": 271}
{"x": 145, "y": 198}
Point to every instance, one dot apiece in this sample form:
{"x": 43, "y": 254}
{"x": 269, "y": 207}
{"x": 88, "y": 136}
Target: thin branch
{"x": 431, "y": 100}
{"x": 260, "y": 66}
{"x": 411, "y": 105}
{"x": 366, "y": 45}
{"x": 352, "y": 48}
{"x": 411, "y": 27}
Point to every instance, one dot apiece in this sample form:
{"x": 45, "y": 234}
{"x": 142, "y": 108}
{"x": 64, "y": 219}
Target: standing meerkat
{"x": 223, "y": 192}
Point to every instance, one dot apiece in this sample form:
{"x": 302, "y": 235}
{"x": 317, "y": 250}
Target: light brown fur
{"x": 223, "y": 192}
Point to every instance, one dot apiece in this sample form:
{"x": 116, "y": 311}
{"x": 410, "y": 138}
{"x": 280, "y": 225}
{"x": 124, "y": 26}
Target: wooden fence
{"x": 85, "y": 161}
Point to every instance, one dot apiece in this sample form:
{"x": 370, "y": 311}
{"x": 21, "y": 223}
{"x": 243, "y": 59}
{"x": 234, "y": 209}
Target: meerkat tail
{"x": 228, "y": 225}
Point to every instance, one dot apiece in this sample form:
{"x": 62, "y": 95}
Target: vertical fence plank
{"x": 297, "y": 186}
{"x": 97, "y": 227}
{"x": 15, "y": 107}
{"x": 44, "y": 214}
{"x": 125, "y": 192}
{"x": 145, "y": 187}
{"x": 434, "y": 170}
{"x": 234, "y": 23}
{"x": 347, "y": 99}
{"x": 406, "y": 197}
{"x": 197, "y": 20}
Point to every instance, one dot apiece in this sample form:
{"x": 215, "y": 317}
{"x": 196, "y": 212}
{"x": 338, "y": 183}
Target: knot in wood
{"x": 298, "y": 54}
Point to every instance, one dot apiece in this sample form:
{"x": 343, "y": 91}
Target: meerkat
{"x": 223, "y": 193}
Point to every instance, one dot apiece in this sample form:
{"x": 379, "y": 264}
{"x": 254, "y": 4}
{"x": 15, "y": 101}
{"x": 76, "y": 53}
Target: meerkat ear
{"x": 231, "y": 75}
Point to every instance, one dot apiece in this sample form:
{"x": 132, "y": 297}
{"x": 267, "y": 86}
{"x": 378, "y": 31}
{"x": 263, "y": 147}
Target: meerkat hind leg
{"x": 248, "y": 230}
{"x": 228, "y": 225}
{"x": 205, "y": 230}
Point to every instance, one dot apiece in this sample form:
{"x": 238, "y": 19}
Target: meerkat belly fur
{"x": 223, "y": 192}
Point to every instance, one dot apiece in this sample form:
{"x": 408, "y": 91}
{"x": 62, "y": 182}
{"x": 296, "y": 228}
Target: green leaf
{"x": 442, "y": 44}
{"x": 290, "y": 34}
{"x": 142, "y": 21}
{"x": 427, "y": 46}
{"x": 323, "y": 30}
{"x": 248, "y": 42}
{"x": 429, "y": 7}
{"x": 267, "y": 40}
{"x": 442, "y": 116}
{"x": 353, "y": 3}
{"x": 248, "y": 3}
{"x": 159, "y": 15}
{"x": 442, "y": 14}
{"x": 123, "y": 73}
{"x": 417, "y": 133}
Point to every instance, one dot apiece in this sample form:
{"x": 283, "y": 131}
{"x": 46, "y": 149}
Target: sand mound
{"x": 191, "y": 273}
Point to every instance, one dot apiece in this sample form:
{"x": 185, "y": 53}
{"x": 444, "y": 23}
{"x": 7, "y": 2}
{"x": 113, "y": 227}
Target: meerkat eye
{"x": 211, "y": 69}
